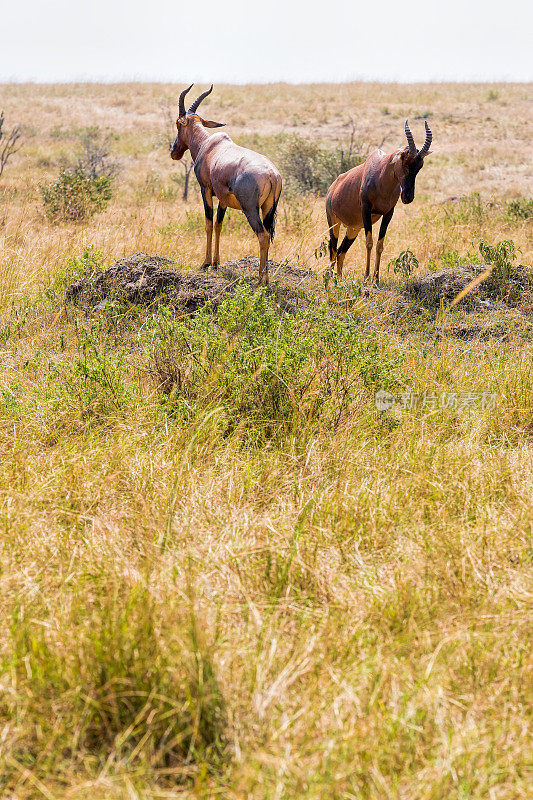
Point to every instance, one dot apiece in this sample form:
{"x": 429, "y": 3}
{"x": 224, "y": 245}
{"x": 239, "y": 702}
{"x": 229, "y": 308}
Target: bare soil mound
{"x": 445, "y": 284}
{"x": 144, "y": 279}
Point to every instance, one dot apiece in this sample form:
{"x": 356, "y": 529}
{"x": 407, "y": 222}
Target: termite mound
{"x": 147, "y": 280}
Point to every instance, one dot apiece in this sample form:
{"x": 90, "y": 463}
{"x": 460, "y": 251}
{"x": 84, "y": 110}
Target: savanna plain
{"x": 224, "y": 572}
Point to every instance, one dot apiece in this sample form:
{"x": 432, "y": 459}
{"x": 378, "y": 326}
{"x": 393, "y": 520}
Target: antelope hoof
{"x": 205, "y": 266}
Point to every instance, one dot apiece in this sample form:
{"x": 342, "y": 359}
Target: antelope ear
{"x": 429, "y": 152}
{"x": 208, "y": 123}
{"x": 396, "y": 158}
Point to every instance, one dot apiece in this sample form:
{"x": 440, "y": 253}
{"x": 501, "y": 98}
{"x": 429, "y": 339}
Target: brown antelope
{"x": 359, "y": 197}
{"x": 239, "y": 177}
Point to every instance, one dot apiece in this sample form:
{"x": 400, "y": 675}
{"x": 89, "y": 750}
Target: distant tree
{"x": 9, "y": 143}
{"x": 95, "y": 158}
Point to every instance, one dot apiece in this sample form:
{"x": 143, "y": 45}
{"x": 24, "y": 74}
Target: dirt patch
{"x": 147, "y": 280}
{"x": 144, "y": 280}
{"x": 445, "y": 284}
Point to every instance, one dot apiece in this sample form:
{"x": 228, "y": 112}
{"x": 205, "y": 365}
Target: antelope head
{"x": 183, "y": 122}
{"x": 409, "y": 161}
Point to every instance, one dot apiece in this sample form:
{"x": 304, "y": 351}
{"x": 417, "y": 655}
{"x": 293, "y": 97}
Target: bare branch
{"x": 9, "y": 143}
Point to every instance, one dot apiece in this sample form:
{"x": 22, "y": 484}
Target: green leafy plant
{"x": 502, "y": 257}
{"x": 466, "y": 210}
{"x": 84, "y": 187}
{"x": 519, "y": 209}
{"x": 271, "y": 376}
{"x": 506, "y": 280}
{"x": 311, "y": 167}
{"x": 75, "y": 196}
{"x": 404, "y": 264}
{"x": 452, "y": 258}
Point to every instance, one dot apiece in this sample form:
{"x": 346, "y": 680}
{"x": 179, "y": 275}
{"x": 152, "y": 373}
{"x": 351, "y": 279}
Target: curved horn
{"x": 427, "y": 144}
{"x": 181, "y": 111}
{"x": 192, "y": 109}
{"x": 410, "y": 140}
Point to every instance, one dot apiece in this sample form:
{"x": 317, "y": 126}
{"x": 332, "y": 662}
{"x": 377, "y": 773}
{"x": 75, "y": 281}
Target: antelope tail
{"x": 270, "y": 220}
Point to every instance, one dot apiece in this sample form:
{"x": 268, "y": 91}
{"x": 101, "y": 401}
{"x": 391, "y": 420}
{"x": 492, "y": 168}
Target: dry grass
{"x": 338, "y": 613}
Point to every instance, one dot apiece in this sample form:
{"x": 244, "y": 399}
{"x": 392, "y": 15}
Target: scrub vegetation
{"x": 224, "y": 571}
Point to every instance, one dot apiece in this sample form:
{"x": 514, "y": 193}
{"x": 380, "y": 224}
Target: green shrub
{"x": 84, "y": 186}
{"x": 470, "y": 209}
{"x": 312, "y": 168}
{"x": 270, "y": 376}
{"x": 405, "y": 264}
{"x": 76, "y": 196}
{"x": 519, "y": 209}
{"x": 501, "y": 257}
{"x": 452, "y": 258}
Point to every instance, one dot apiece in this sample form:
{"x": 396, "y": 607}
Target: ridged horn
{"x": 427, "y": 144}
{"x": 410, "y": 140}
{"x": 181, "y": 111}
{"x": 192, "y": 109}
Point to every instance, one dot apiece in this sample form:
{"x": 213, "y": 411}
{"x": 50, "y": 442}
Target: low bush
{"x": 466, "y": 210}
{"x": 502, "y": 280}
{"x": 309, "y": 167}
{"x": 10, "y": 143}
{"x": 269, "y": 376}
{"x": 452, "y": 258}
{"x": 519, "y": 209}
{"x": 75, "y": 196}
{"x": 405, "y": 264}
{"x": 84, "y": 187}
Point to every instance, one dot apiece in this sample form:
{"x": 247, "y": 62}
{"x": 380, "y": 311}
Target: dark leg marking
{"x": 346, "y": 244}
{"x": 385, "y": 223}
{"x": 221, "y": 210}
{"x": 208, "y": 209}
{"x": 367, "y": 217}
{"x": 379, "y": 248}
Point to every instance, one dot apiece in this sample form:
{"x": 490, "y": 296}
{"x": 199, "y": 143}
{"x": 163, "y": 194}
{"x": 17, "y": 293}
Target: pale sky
{"x": 246, "y": 41}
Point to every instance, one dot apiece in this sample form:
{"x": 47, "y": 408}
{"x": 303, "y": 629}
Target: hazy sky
{"x": 271, "y": 40}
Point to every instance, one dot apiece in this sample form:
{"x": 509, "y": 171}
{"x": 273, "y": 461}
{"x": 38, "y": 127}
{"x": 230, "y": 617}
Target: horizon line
{"x": 111, "y": 81}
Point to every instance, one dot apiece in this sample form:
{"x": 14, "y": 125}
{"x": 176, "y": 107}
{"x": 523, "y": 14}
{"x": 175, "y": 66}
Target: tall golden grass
{"x": 344, "y": 615}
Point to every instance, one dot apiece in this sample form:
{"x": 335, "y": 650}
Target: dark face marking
{"x": 408, "y": 187}
{"x": 179, "y": 147}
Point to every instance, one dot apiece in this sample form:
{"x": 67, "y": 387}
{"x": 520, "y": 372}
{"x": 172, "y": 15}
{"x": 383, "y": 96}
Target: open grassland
{"x": 223, "y": 572}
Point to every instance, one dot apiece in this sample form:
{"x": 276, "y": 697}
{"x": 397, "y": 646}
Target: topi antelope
{"x": 239, "y": 177}
{"x": 359, "y": 197}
